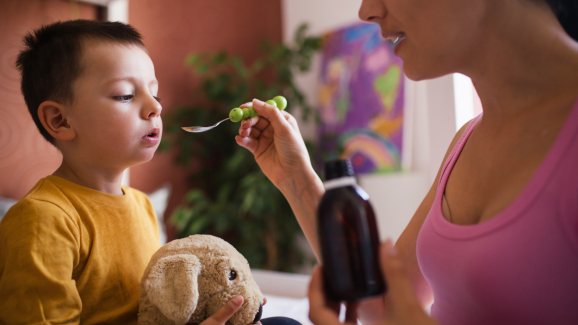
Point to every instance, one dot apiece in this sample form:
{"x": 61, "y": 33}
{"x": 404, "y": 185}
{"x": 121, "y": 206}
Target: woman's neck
{"x": 528, "y": 62}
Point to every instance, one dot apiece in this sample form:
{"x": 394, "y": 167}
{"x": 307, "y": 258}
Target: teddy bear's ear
{"x": 172, "y": 286}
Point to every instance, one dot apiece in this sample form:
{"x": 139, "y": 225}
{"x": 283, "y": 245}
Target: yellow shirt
{"x": 70, "y": 254}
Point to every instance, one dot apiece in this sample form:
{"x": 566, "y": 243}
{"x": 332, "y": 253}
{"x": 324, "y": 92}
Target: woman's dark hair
{"x": 567, "y": 13}
{"x": 50, "y": 60}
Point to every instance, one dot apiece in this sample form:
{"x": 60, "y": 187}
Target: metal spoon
{"x": 198, "y": 129}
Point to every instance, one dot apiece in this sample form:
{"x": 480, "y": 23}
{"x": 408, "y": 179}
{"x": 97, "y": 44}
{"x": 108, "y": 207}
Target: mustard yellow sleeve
{"x": 39, "y": 248}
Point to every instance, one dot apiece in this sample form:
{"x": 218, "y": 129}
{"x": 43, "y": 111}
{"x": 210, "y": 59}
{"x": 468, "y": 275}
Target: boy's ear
{"x": 53, "y": 117}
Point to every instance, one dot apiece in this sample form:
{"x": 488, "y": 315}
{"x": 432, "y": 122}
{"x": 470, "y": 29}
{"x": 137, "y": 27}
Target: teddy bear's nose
{"x": 259, "y": 313}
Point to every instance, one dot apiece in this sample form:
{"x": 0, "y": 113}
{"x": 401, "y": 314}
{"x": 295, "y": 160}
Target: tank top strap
{"x": 455, "y": 153}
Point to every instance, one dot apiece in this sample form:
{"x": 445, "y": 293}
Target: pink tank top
{"x": 519, "y": 267}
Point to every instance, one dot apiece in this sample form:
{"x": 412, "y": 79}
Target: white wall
{"x": 430, "y": 116}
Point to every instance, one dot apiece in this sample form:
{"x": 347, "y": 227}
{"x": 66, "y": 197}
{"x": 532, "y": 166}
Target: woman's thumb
{"x": 399, "y": 285}
{"x": 271, "y": 113}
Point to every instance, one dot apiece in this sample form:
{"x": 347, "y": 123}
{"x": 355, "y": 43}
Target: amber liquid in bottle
{"x": 348, "y": 237}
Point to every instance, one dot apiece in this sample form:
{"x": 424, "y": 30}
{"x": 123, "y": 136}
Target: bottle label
{"x": 339, "y": 182}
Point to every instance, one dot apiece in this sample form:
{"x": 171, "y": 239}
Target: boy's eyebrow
{"x": 153, "y": 82}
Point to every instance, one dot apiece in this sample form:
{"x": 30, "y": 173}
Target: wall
{"x": 430, "y": 119}
{"x": 25, "y": 156}
{"x": 173, "y": 29}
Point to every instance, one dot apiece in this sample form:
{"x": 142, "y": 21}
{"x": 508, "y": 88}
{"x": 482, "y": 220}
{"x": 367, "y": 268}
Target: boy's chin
{"x": 143, "y": 157}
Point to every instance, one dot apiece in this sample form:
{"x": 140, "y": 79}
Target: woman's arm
{"x": 303, "y": 197}
{"x": 279, "y": 149}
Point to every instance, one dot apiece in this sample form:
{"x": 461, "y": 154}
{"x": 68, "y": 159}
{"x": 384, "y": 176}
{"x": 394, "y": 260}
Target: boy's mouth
{"x": 153, "y": 133}
{"x": 152, "y": 136}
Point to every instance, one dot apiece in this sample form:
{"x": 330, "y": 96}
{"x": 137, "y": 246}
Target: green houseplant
{"x": 232, "y": 198}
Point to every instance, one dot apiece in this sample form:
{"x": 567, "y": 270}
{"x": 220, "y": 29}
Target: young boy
{"x": 74, "y": 248}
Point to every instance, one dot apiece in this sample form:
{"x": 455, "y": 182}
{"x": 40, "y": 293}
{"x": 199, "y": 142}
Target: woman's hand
{"x": 275, "y": 141}
{"x": 227, "y": 311}
{"x": 400, "y": 302}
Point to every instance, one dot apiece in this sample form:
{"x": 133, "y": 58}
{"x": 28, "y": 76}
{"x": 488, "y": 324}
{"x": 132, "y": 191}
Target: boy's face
{"x": 115, "y": 112}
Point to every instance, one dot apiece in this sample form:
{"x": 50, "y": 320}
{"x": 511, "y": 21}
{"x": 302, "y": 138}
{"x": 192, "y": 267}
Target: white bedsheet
{"x": 286, "y": 295}
{"x": 296, "y": 308}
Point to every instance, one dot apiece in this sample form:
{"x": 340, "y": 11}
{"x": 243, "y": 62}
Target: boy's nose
{"x": 152, "y": 109}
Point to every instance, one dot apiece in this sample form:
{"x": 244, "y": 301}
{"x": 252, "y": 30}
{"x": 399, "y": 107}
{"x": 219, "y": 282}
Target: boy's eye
{"x": 123, "y": 98}
{"x": 158, "y": 99}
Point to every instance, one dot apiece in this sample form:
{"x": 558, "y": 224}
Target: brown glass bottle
{"x": 348, "y": 237}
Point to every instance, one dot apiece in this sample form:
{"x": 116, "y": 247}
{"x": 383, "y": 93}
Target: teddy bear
{"x": 189, "y": 279}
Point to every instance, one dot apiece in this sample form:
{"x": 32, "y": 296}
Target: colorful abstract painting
{"x": 360, "y": 99}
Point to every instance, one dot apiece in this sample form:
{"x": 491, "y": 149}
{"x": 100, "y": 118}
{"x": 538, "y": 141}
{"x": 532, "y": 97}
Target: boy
{"x": 73, "y": 250}
{"x": 75, "y": 247}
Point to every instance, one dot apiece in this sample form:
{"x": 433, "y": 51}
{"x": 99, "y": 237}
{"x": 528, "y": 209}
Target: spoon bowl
{"x": 199, "y": 129}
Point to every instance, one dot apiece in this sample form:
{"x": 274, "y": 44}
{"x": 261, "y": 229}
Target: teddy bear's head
{"x": 189, "y": 279}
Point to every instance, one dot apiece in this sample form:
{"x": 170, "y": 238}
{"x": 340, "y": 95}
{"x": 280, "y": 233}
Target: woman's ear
{"x": 172, "y": 286}
{"x": 53, "y": 117}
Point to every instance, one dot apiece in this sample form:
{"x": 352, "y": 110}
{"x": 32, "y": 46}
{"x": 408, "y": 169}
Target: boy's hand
{"x": 227, "y": 311}
{"x": 278, "y": 147}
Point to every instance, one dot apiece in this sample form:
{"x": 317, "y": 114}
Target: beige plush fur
{"x": 188, "y": 280}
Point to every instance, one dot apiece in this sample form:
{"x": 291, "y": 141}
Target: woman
{"x": 495, "y": 241}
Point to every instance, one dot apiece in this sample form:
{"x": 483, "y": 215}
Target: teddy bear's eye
{"x": 232, "y": 275}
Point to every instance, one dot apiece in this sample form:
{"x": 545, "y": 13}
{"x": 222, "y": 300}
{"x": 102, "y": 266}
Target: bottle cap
{"x": 338, "y": 168}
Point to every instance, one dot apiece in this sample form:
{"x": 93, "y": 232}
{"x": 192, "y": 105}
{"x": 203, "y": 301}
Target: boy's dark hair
{"x": 50, "y": 62}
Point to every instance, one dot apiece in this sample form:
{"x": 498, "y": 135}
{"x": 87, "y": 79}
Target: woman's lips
{"x": 153, "y": 136}
{"x": 397, "y": 46}
{"x": 396, "y": 38}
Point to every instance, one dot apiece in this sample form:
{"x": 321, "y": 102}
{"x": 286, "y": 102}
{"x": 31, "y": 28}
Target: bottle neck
{"x": 339, "y": 182}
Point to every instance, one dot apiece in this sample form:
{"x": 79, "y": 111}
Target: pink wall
{"x": 25, "y": 157}
{"x": 173, "y": 29}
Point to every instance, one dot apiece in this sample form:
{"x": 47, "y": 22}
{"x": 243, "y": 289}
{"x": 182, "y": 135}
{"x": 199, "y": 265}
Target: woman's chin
{"x": 419, "y": 74}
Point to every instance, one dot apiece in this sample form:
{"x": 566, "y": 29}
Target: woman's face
{"x": 441, "y": 36}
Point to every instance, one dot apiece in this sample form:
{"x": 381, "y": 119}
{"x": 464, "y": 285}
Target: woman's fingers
{"x": 271, "y": 113}
{"x": 252, "y": 132}
{"x": 351, "y": 313}
{"x": 248, "y": 143}
{"x": 323, "y": 311}
{"x": 371, "y": 310}
{"x": 320, "y": 311}
{"x": 248, "y": 128}
{"x": 247, "y": 104}
{"x": 292, "y": 121}
{"x": 399, "y": 286}
{"x": 261, "y": 124}
{"x": 257, "y": 122}
{"x": 222, "y": 315}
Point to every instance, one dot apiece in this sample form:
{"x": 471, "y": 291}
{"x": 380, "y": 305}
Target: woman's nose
{"x": 372, "y": 11}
